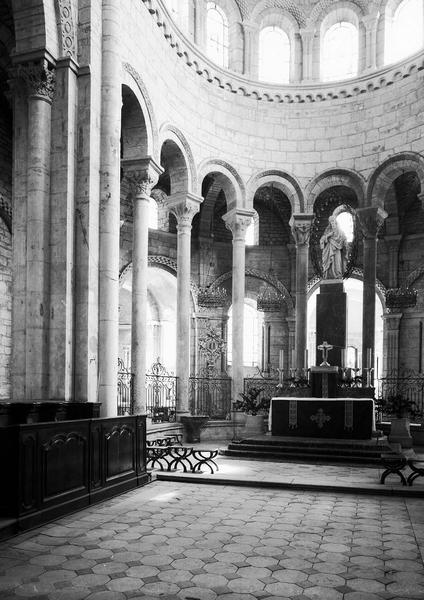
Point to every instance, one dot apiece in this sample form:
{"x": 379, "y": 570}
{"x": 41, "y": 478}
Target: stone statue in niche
{"x": 335, "y": 249}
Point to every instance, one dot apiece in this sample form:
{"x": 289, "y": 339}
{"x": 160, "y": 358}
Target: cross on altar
{"x": 325, "y": 347}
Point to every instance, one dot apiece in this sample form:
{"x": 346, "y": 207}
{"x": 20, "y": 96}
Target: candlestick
{"x": 281, "y": 359}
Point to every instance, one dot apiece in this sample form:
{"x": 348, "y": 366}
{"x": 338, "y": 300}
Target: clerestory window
{"x": 339, "y": 52}
{"x": 405, "y": 30}
{"x": 217, "y": 34}
{"x": 274, "y": 55}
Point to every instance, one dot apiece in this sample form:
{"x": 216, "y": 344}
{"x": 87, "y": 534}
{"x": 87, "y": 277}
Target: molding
{"x": 291, "y": 93}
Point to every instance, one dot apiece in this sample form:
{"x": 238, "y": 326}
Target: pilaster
{"x": 391, "y": 329}
{"x": 307, "y": 36}
{"x": 370, "y": 23}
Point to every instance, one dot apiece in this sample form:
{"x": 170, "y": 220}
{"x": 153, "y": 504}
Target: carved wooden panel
{"x": 120, "y": 449}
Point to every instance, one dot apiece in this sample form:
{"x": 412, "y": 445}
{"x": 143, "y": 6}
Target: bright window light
{"x": 153, "y": 214}
{"x": 252, "y": 334}
{"x": 217, "y": 34}
{"x": 339, "y": 53}
{"x": 250, "y": 234}
{"x": 406, "y": 34}
{"x": 274, "y": 55}
{"x": 345, "y": 222}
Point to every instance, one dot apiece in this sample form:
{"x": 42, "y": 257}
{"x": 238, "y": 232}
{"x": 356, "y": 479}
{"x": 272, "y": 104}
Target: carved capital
{"x": 39, "y": 78}
{"x": 301, "y": 225}
{"x": 184, "y": 206}
{"x": 142, "y": 175}
{"x": 371, "y": 220}
{"x": 237, "y": 221}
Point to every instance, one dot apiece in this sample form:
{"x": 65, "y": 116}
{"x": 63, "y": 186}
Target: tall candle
{"x": 306, "y": 358}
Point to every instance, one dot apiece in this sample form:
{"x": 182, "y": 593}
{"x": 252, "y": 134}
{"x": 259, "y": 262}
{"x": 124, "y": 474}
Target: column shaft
{"x": 301, "y": 228}
{"x": 40, "y": 80}
{"x": 109, "y": 209}
{"x": 184, "y": 208}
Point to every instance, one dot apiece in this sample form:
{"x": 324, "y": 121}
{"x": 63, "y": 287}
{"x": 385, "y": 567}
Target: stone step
{"x": 298, "y": 455}
{"x": 268, "y": 442}
{"x": 312, "y": 450}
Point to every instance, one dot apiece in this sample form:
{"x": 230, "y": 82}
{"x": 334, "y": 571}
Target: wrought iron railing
{"x": 267, "y": 385}
{"x": 161, "y": 388}
{"x": 406, "y": 383}
{"x": 125, "y": 389}
{"x": 210, "y": 396}
{"x": 161, "y": 393}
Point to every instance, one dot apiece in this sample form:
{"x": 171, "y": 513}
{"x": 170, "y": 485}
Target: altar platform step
{"x": 307, "y": 449}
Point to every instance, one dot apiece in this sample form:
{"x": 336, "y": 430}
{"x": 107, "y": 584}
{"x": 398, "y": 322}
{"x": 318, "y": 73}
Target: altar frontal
{"x": 335, "y": 418}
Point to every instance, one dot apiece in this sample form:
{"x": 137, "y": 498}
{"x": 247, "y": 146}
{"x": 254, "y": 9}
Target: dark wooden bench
{"x": 417, "y": 469}
{"x": 188, "y": 458}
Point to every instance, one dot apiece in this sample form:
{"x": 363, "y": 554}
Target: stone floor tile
{"x": 243, "y": 585}
{"x": 142, "y": 572}
{"x": 77, "y": 594}
{"x": 156, "y": 560}
{"x": 24, "y": 571}
{"x": 197, "y": 593}
{"x": 189, "y": 564}
{"x": 290, "y": 576}
{"x": 295, "y": 563}
{"x": 76, "y": 564}
{"x": 405, "y": 588}
{"x": 124, "y": 584}
{"x": 30, "y": 590}
{"x": 362, "y": 596}
{"x": 47, "y": 560}
{"x": 326, "y": 580}
{"x": 261, "y": 561}
{"x": 220, "y": 568}
{"x": 322, "y": 593}
{"x": 175, "y": 575}
{"x": 160, "y": 588}
{"x": 66, "y": 550}
{"x": 106, "y": 595}
{"x": 109, "y": 568}
{"x": 254, "y": 572}
{"x": 367, "y": 585}
{"x": 284, "y": 590}
{"x": 209, "y": 580}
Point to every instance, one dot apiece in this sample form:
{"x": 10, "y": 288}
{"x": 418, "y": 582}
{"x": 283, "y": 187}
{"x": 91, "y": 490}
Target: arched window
{"x": 252, "y": 334}
{"x": 405, "y": 33}
{"x": 179, "y": 12}
{"x": 339, "y": 52}
{"x": 274, "y": 55}
{"x": 217, "y": 34}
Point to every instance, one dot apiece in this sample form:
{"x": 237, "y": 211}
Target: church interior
{"x": 212, "y": 240}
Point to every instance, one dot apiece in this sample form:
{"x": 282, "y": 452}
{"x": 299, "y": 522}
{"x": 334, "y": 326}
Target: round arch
{"x": 132, "y": 80}
{"x": 286, "y": 8}
{"x": 332, "y": 178}
{"x": 171, "y": 133}
{"x": 273, "y": 281}
{"x": 227, "y": 178}
{"x": 384, "y": 176}
{"x": 283, "y": 181}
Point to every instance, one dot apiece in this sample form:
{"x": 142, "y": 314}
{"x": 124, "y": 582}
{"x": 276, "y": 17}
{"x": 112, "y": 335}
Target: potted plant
{"x": 401, "y": 409}
{"x": 254, "y": 407}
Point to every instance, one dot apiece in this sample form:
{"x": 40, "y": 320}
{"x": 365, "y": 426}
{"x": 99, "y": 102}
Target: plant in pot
{"x": 401, "y": 409}
{"x": 254, "y": 407}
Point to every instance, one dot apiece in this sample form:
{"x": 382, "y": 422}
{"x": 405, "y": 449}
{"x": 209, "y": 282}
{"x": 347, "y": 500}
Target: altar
{"x": 336, "y": 418}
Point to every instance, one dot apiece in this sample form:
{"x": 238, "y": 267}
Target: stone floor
{"x": 197, "y": 541}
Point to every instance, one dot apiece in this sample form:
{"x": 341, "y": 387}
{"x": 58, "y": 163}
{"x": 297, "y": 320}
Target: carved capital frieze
{"x": 371, "y": 220}
{"x": 301, "y": 225}
{"x": 184, "y": 206}
{"x": 39, "y": 78}
{"x": 237, "y": 221}
{"x": 141, "y": 175}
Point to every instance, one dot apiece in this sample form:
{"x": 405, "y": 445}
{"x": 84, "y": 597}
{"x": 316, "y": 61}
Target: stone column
{"x": 371, "y": 219}
{"x": 237, "y": 221}
{"x": 62, "y": 234}
{"x": 391, "y": 328}
{"x": 110, "y": 133}
{"x": 40, "y": 80}
{"x": 142, "y": 175}
{"x": 301, "y": 229}
{"x": 369, "y": 61}
{"x": 307, "y": 36}
{"x": 250, "y": 35}
{"x": 393, "y": 244}
{"x": 184, "y": 207}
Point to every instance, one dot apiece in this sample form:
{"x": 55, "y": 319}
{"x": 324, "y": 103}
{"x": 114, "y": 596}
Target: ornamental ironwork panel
{"x": 125, "y": 390}
{"x": 210, "y": 396}
{"x": 406, "y": 383}
{"x": 161, "y": 392}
